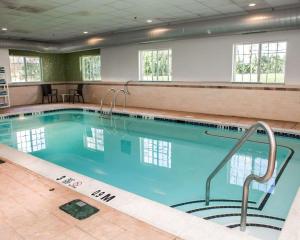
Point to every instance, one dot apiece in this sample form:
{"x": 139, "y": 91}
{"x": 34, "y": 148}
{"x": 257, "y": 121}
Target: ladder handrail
{"x": 106, "y": 94}
{"x": 126, "y": 86}
{"x": 251, "y": 177}
{"x": 116, "y": 97}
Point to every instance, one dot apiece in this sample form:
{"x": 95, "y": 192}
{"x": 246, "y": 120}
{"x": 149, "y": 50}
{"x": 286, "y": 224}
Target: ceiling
{"x": 61, "y": 20}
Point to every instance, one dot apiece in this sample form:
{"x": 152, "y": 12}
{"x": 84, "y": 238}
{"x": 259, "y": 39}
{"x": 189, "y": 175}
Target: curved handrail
{"x": 251, "y": 177}
{"x": 116, "y": 97}
{"x": 126, "y": 86}
{"x": 107, "y": 93}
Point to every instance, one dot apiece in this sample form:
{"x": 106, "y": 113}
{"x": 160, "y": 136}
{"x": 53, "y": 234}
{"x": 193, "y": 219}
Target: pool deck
{"x": 29, "y": 210}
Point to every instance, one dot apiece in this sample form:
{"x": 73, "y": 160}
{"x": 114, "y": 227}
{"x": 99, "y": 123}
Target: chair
{"x": 77, "y": 93}
{"x": 49, "y": 93}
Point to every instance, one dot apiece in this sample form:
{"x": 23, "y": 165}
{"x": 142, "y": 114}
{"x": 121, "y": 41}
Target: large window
{"x": 25, "y": 69}
{"x": 259, "y": 62}
{"x": 155, "y": 65}
{"x": 90, "y": 68}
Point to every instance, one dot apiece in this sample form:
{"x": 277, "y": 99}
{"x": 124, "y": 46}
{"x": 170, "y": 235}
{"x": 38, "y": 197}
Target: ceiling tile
{"x": 59, "y": 20}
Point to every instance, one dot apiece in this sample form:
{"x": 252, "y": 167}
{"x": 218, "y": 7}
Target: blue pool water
{"x": 164, "y": 161}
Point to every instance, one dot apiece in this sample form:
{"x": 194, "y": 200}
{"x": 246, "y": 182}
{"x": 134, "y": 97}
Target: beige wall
{"x": 263, "y": 104}
{"x": 27, "y": 95}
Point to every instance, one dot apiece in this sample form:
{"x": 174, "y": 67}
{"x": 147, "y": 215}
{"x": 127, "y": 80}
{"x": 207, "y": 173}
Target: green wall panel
{"x": 58, "y": 67}
{"x": 72, "y": 64}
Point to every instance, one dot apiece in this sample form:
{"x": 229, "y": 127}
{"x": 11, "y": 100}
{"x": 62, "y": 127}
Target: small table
{"x": 64, "y": 95}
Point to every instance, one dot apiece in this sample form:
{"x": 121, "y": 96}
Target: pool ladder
{"x": 251, "y": 177}
{"x": 115, "y": 93}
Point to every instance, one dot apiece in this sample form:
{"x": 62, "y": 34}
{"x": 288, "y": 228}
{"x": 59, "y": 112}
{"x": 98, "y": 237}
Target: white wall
{"x": 4, "y": 61}
{"x": 202, "y": 59}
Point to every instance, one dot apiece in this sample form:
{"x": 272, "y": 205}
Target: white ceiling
{"x": 57, "y": 20}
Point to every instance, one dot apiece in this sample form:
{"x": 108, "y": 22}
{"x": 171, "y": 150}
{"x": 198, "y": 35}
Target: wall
{"x": 255, "y": 102}
{"x": 72, "y": 64}
{"x": 201, "y": 62}
{"x": 53, "y": 66}
{"x": 4, "y": 61}
{"x": 198, "y": 60}
{"x": 27, "y": 95}
{"x": 58, "y": 67}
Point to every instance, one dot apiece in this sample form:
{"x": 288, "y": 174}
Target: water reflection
{"x": 94, "y": 139}
{"x": 242, "y": 165}
{"x": 156, "y": 152}
{"x": 31, "y": 140}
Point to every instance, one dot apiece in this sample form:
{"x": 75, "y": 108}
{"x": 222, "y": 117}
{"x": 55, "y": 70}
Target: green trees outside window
{"x": 260, "y": 62}
{"x": 90, "y": 68}
{"x": 156, "y": 65}
{"x": 25, "y": 69}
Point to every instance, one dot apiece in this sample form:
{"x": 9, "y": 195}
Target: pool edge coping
{"x": 291, "y": 229}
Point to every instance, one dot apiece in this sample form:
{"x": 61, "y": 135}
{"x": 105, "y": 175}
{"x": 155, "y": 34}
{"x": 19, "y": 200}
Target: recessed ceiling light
{"x": 85, "y": 32}
{"x": 4, "y": 29}
{"x": 149, "y": 21}
{"x": 252, "y": 4}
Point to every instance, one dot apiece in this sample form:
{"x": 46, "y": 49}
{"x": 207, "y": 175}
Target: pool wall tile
{"x": 227, "y": 127}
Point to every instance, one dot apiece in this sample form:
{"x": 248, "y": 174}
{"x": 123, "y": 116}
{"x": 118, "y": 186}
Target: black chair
{"x": 77, "y": 93}
{"x": 49, "y": 93}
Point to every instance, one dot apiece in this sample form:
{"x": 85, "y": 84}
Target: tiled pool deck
{"x": 30, "y": 211}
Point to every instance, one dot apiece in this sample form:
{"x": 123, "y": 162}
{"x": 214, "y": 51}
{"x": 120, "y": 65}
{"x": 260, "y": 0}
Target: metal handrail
{"x": 116, "y": 97}
{"x": 251, "y": 177}
{"x": 107, "y": 93}
{"x": 126, "y": 86}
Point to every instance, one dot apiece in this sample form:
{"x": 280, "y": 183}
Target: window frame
{"x": 25, "y": 69}
{"x": 233, "y": 75}
{"x": 170, "y": 60}
{"x": 81, "y": 68}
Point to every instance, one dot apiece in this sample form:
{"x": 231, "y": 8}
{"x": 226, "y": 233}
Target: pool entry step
{"x": 79, "y": 209}
{"x": 228, "y": 213}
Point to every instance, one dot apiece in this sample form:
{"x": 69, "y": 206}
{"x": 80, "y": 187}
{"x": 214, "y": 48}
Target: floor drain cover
{"x": 1, "y": 162}
{"x": 79, "y": 209}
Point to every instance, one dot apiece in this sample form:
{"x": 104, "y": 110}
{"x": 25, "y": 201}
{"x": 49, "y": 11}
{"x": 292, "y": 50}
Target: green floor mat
{"x": 79, "y": 209}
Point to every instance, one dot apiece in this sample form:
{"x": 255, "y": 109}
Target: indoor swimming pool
{"x": 166, "y": 161}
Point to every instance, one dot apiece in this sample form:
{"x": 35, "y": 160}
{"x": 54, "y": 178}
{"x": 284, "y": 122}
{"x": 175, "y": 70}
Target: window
{"x": 259, "y": 62}
{"x": 155, "y": 65}
{"x": 25, "y": 69}
{"x": 156, "y": 152}
{"x": 90, "y": 67}
{"x": 31, "y": 140}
